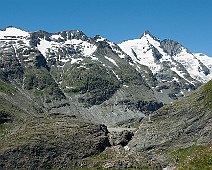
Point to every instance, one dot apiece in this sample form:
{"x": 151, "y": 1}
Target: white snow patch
{"x": 111, "y": 60}
{"x": 44, "y": 46}
{"x": 74, "y": 42}
{"x": 143, "y": 55}
{"x": 64, "y": 60}
{"x": 87, "y": 48}
{"x": 100, "y": 39}
{"x": 192, "y": 65}
{"x": 180, "y": 74}
{"x": 131, "y": 64}
{"x": 94, "y": 58}
{"x": 207, "y": 61}
{"x": 56, "y": 37}
{"x": 127, "y": 148}
{"x": 116, "y": 75}
{"x": 73, "y": 60}
{"x": 175, "y": 79}
{"x": 68, "y": 87}
{"x": 12, "y": 32}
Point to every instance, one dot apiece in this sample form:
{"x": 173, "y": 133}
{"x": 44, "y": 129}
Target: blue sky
{"x": 186, "y": 21}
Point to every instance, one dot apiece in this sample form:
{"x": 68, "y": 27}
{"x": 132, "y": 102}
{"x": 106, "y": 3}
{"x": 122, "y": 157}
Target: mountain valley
{"x": 60, "y": 93}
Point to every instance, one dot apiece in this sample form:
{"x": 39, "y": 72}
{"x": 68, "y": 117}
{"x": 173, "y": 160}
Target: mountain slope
{"x": 183, "y": 124}
{"x": 52, "y": 141}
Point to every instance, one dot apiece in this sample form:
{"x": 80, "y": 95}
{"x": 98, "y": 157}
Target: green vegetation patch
{"x": 11, "y": 117}
{"x": 208, "y": 94}
{"x": 194, "y": 157}
{"x": 40, "y": 83}
{"x": 91, "y": 79}
{"x": 6, "y": 88}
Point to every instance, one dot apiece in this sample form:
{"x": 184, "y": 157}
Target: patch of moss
{"x": 207, "y": 92}
{"x": 11, "y": 116}
{"x": 6, "y": 88}
{"x": 40, "y": 83}
{"x": 110, "y": 155}
{"x": 194, "y": 157}
{"x": 4, "y": 130}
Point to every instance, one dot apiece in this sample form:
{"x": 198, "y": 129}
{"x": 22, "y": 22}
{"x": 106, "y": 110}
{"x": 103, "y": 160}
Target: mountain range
{"x": 100, "y": 81}
{"x": 62, "y": 87}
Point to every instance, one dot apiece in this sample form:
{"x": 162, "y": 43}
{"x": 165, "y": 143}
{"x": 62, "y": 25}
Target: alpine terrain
{"x": 60, "y": 91}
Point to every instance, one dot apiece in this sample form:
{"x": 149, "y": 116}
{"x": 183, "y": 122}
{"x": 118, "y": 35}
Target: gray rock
{"x": 120, "y": 138}
{"x": 171, "y": 47}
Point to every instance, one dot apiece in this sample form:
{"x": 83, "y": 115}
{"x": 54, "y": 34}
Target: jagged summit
{"x": 148, "y": 33}
{"x": 98, "y": 38}
{"x": 10, "y": 26}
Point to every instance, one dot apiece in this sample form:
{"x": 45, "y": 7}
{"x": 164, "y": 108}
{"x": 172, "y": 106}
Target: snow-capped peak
{"x": 147, "y": 34}
{"x": 12, "y": 32}
{"x": 141, "y": 50}
{"x": 98, "y": 38}
{"x": 156, "y": 54}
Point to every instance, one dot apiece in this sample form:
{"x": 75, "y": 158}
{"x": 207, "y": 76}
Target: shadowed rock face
{"x": 5, "y": 117}
{"x": 171, "y": 47}
{"x": 120, "y": 138}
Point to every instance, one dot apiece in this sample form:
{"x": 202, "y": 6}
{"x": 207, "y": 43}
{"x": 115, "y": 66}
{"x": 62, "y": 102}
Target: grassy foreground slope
{"x": 170, "y": 132}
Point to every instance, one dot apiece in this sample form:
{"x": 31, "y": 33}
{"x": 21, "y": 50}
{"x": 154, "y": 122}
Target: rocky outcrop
{"x": 5, "y": 117}
{"x": 120, "y": 138}
{"x": 118, "y": 157}
{"x": 171, "y": 47}
{"x": 55, "y": 141}
{"x": 143, "y": 106}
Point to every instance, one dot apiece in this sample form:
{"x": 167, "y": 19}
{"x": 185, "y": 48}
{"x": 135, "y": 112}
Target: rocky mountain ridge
{"x": 100, "y": 81}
